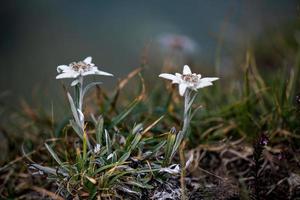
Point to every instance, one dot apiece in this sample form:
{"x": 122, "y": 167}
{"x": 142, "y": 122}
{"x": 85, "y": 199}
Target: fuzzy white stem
{"x": 80, "y": 92}
{"x": 186, "y": 116}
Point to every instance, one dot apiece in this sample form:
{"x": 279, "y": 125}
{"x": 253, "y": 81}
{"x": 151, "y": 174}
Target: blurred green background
{"x": 36, "y": 36}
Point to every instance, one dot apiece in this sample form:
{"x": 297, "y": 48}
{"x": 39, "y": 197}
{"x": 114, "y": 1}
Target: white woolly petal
{"x": 186, "y": 70}
{"x": 88, "y": 60}
{"x": 209, "y": 79}
{"x": 70, "y": 74}
{"x": 182, "y": 89}
{"x": 169, "y": 77}
{"x": 178, "y": 75}
{"x": 94, "y": 68}
{"x": 61, "y": 68}
{"x": 99, "y": 72}
{"x": 203, "y": 84}
{"x": 88, "y": 73}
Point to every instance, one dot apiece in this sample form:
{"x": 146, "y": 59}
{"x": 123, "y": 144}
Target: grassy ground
{"x": 243, "y": 142}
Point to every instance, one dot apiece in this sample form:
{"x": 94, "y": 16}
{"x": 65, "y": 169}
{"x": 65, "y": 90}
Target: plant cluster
{"x": 109, "y": 161}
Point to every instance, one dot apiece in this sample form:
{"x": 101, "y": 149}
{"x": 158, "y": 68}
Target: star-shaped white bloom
{"x": 81, "y": 68}
{"x": 188, "y": 80}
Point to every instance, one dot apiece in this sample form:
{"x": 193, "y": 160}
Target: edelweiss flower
{"x": 81, "y": 68}
{"x": 188, "y": 80}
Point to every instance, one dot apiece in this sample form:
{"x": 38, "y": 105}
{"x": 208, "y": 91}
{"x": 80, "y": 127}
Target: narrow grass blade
{"x": 135, "y": 141}
{"x": 125, "y": 156}
{"x": 101, "y": 169}
{"x": 107, "y": 142}
{"x": 177, "y": 143}
{"x": 116, "y": 120}
{"x": 152, "y": 125}
{"x": 155, "y": 149}
{"x": 47, "y": 170}
{"x": 99, "y": 130}
{"x": 54, "y": 155}
{"x": 84, "y": 147}
{"x": 169, "y": 148}
{"x": 140, "y": 184}
{"x": 136, "y": 130}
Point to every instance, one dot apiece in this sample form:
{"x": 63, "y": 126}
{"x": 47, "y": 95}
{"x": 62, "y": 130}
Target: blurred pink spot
{"x": 182, "y": 43}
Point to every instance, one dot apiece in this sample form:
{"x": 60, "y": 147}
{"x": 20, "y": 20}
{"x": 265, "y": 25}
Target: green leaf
{"x": 54, "y": 155}
{"x": 99, "y": 130}
{"x": 90, "y": 86}
{"x": 80, "y": 133}
{"x": 77, "y": 129}
{"x": 116, "y": 120}
{"x": 135, "y": 141}
{"x": 107, "y": 167}
{"x": 47, "y": 170}
{"x": 155, "y": 149}
{"x": 140, "y": 184}
{"x": 152, "y": 125}
{"x": 191, "y": 101}
{"x": 117, "y": 176}
{"x": 177, "y": 143}
{"x": 107, "y": 142}
{"x": 84, "y": 147}
{"x": 125, "y": 156}
{"x": 136, "y": 129}
{"x": 169, "y": 148}
{"x": 74, "y": 111}
{"x": 93, "y": 193}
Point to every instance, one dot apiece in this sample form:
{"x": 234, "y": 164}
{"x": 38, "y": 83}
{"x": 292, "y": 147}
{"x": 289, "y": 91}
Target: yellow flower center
{"x": 190, "y": 78}
{"x": 80, "y": 66}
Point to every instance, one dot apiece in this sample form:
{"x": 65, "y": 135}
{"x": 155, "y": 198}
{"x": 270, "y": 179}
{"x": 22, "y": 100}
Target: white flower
{"x": 172, "y": 169}
{"x": 81, "y": 68}
{"x": 188, "y": 80}
{"x": 97, "y": 148}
